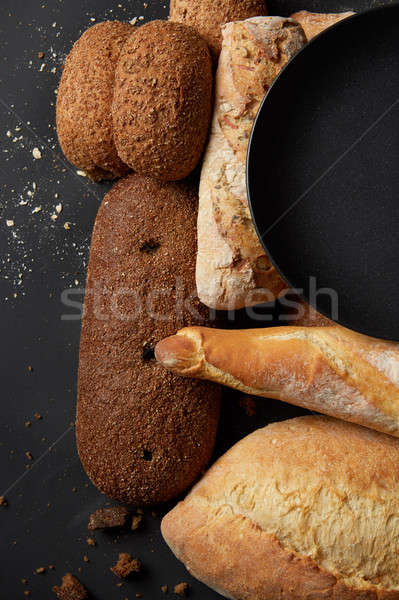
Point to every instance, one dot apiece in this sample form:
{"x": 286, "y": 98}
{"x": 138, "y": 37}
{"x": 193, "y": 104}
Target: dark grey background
{"x": 49, "y": 503}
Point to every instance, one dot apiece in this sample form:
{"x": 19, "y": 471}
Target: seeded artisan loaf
{"x": 162, "y": 100}
{"x": 306, "y": 509}
{"x": 233, "y": 270}
{"x": 315, "y": 23}
{"x": 84, "y": 120}
{"x": 143, "y": 435}
{"x": 208, "y": 16}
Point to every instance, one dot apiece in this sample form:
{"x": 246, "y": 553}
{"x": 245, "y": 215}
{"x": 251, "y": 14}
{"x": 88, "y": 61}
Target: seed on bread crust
{"x": 208, "y": 16}
{"x": 162, "y": 100}
{"x": 84, "y": 122}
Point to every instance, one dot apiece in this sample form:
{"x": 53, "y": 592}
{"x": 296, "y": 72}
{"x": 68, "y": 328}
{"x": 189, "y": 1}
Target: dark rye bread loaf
{"x": 144, "y": 435}
{"x": 84, "y": 122}
{"x": 162, "y": 100}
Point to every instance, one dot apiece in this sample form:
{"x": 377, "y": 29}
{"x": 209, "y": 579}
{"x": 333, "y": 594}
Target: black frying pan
{"x": 323, "y": 172}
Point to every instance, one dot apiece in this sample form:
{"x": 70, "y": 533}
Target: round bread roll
{"x": 162, "y": 100}
{"x": 208, "y": 16}
{"x": 84, "y": 121}
{"x": 306, "y": 509}
{"x": 143, "y": 435}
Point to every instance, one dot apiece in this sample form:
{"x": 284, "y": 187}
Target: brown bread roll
{"x": 143, "y": 435}
{"x": 84, "y": 121}
{"x": 315, "y": 23}
{"x": 306, "y": 509}
{"x": 208, "y": 16}
{"x": 162, "y": 100}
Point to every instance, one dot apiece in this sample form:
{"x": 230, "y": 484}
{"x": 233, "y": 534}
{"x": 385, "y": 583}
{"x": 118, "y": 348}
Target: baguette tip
{"x": 177, "y": 353}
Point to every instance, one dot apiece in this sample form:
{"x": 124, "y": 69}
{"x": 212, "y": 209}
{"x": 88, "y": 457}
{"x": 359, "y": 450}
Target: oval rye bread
{"x": 143, "y": 434}
{"x": 162, "y": 100}
{"x": 84, "y": 121}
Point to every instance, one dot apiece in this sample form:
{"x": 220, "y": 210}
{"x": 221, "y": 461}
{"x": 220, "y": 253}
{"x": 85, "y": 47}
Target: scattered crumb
{"x": 36, "y": 209}
{"x": 181, "y": 589}
{"x": 51, "y": 567}
{"x": 67, "y": 225}
{"x": 108, "y": 518}
{"x": 10, "y": 222}
{"x": 37, "y": 416}
{"x": 24, "y": 581}
{"x": 28, "y": 424}
{"x": 36, "y": 153}
{"x": 40, "y": 571}
{"x": 28, "y": 455}
{"x": 136, "y": 522}
{"x": 91, "y": 542}
{"x": 86, "y": 558}
{"x": 30, "y": 368}
{"x": 126, "y": 565}
{"x": 40, "y": 55}
{"x": 3, "y": 501}
{"x": 27, "y": 593}
{"x": 81, "y": 173}
{"x": 58, "y": 208}
{"x": 74, "y": 489}
{"x": 71, "y": 589}
{"x": 164, "y": 589}
{"x": 249, "y": 406}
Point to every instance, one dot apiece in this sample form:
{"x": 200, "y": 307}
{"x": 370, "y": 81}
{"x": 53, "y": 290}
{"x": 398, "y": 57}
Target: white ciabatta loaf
{"x": 331, "y": 370}
{"x": 232, "y": 268}
{"x": 315, "y": 23}
{"x": 306, "y": 509}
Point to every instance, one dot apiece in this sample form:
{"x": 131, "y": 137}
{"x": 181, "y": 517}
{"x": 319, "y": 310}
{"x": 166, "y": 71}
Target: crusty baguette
{"x": 232, "y": 268}
{"x": 331, "y": 370}
{"x": 306, "y": 509}
{"x": 315, "y": 23}
{"x": 208, "y": 16}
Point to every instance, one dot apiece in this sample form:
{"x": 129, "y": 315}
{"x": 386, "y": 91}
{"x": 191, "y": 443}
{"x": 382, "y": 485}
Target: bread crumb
{"x": 28, "y": 455}
{"x": 108, "y": 518}
{"x": 58, "y": 208}
{"x": 249, "y": 406}
{"x": 10, "y": 223}
{"x": 71, "y": 589}
{"x": 36, "y": 154}
{"x": 164, "y": 589}
{"x": 67, "y": 225}
{"x": 86, "y": 558}
{"x": 126, "y": 565}
{"x": 136, "y": 522}
{"x": 36, "y": 209}
{"x": 81, "y": 173}
{"x": 28, "y": 424}
{"x": 181, "y": 589}
{"x": 91, "y": 542}
{"x": 3, "y": 501}
{"x": 40, "y": 55}
{"x": 40, "y": 571}
{"x": 37, "y": 416}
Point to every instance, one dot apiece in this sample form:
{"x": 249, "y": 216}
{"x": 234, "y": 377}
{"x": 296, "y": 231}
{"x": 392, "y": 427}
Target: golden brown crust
{"x": 315, "y": 23}
{"x": 228, "y": 536}
{"x": 143, "y": 435}
{"x": 327, "y": 369}
{"x": 208, "y": 16}
{"x": 162, "y": 100}
{"x": 232, "y": 268}
{"x": 84, "y": 122}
